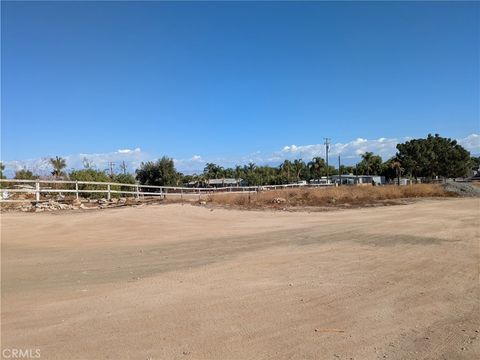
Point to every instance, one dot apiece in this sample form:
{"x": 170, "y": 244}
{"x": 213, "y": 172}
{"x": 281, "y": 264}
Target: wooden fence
{"x": 39, "y": 187}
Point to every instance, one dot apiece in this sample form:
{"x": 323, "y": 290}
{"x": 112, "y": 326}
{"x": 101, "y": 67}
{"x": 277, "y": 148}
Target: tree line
{"x": 426, "y": 158}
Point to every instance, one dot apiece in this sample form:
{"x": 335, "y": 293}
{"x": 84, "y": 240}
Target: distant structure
{"x": 351, "y": 179}
{"x": 218, "y": 183}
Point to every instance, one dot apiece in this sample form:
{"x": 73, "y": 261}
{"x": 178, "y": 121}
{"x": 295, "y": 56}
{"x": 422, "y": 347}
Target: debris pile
{"x": 462, "y": 189}
{"x": 53, "y": 205}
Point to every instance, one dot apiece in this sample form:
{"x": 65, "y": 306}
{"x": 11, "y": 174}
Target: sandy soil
{"x": 187, "y": 282}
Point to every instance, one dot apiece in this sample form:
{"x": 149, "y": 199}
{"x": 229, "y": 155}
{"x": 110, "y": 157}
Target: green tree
{"x": 475, "y": 163}
{"x": 25, "y": 174}
{"x": 124, "y": 178}
{"x": 2, "y": 168}
{"x": 160, "y": 173}
{"x": 371, "y": 164}
{"x": 90, "y": 175}
{"x": 213, "y": 171}
{"x": 392, "y": 169}
{"x": 286, "y": 171}
{"x": 317, "y": 167}
{"x": 58, "y": 164}
{"x": 346, "y": 170}
{"x": 239, "y": 173}
{"x": 433, "y": 156}
{"x": 299, "y": 168}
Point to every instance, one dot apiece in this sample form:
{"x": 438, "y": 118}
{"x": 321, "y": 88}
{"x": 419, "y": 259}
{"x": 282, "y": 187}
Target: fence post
{"x": 76, "y": 190}
{"x": 37, "y": 191}
{"x": 109, "y": 195}
{"x": 137, "y": 190}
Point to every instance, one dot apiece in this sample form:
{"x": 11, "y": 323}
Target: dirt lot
{"x": 188, "y": 282}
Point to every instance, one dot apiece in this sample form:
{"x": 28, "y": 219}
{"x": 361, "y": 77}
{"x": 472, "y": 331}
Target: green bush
{"x": 25, "y": 174}
{"x": 123, "y": 179}
{"x": 90, "y": 175}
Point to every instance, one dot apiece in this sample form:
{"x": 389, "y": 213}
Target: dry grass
{"x": 334, "y": 196}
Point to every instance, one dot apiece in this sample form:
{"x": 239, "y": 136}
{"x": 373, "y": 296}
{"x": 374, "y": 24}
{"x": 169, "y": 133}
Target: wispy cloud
{"x": 349, "y": 151}
{"x": 471, "y": 143}
{"x": 101, "y": 161}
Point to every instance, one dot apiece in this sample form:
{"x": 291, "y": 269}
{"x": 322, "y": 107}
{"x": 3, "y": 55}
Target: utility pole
{"x": 327, "y": 146}
{"x": 339, "y": 172}
{"x": 124, "y": 167}
{"x": 111, "y": 168}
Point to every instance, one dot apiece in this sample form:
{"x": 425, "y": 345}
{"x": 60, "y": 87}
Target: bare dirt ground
{"x": 189, "y": 282}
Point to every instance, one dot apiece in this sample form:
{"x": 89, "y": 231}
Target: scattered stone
{"x": 279, "y": 200}
{"x": 203, "y": 203}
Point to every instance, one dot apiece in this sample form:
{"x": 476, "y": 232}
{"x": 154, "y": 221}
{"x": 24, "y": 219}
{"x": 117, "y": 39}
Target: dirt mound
{"x": 462, "y": 189}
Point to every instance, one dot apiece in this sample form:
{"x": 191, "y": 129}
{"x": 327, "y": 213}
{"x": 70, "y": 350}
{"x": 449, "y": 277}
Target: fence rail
{"x": 137, "y": 190}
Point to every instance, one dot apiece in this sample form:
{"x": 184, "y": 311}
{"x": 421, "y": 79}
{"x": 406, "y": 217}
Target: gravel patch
{"x": 462, "y": 189}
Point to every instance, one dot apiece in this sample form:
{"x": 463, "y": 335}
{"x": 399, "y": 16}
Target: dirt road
{"x": 186, "y": 282}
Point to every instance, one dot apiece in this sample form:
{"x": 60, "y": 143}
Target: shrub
{"x": 25, "y": 175}
{"x": 90, "y": 175}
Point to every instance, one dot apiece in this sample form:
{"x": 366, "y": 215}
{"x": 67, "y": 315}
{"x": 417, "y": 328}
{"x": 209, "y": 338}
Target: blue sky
{"x": 234, "y": 82}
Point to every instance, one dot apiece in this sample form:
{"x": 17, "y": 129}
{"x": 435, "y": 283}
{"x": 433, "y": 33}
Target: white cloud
{"x": 349, "y": 151}
{"x": 190, "y": 165}
{"x": 100, "y": 161}
{"x": 471, "y": 143}
{"x": 128, "y": 151}
{"x": 353, "y": 149}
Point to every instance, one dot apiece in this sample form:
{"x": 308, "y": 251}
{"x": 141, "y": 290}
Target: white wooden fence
{"x": 39, "y": 187}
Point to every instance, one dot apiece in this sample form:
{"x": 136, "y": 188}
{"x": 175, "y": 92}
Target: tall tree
{"x": 25, "y": 174}
{"x": 2, "y": 168}
{"x": 317, "y": 166}
{"x": 161, "y": 173}
{"x": 371, "y": 164}
{"x": 286, "y": 169}
{"x": 213, "y": 171}
{"x": 299, "y": 167}
{"x": 434, "y": 156}
{"x": 58, "y": 164}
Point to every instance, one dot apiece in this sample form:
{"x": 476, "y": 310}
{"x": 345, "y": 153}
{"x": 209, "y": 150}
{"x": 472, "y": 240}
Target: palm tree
{"x": 286, "y": 167}
{"x": 367, "y": 162}
{"x": 298, "y": 165}
{"x": 398, "y": 170}
{"x": 316, "y": 166}
{"x": 58, "y": 165}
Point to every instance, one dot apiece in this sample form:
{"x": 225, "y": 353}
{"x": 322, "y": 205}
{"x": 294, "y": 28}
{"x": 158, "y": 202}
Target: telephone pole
{"x": 111, "y": 168}
{"x": 339, "y": 172}
{"x": 124, "y": 167}
{"x": 327, "y": 147}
